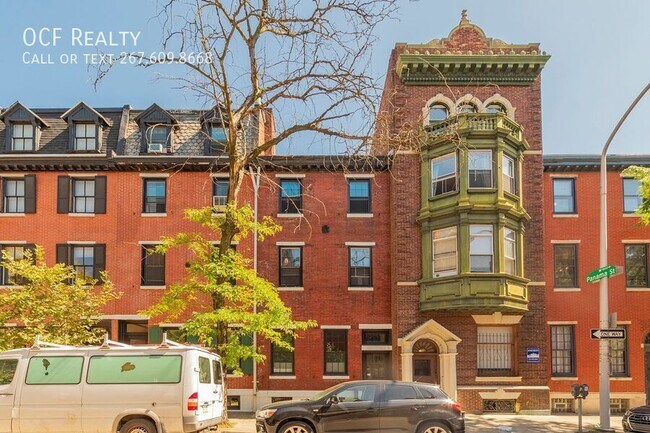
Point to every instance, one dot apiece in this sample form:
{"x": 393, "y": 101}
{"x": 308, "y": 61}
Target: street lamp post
{"x": 603, "y": 362}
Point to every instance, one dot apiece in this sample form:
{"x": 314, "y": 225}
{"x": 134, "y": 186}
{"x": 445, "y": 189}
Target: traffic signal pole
{"x": 603, "y": 361}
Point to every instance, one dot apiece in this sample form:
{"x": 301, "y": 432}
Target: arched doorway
{"x": 646, "y": 346}
{"x": 426, "y": 361}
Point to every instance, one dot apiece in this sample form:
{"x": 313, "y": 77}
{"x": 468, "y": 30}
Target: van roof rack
{"x": 165, "y": 343}
{"x": 108, "y": 343}
{"x": 38, "y": 343}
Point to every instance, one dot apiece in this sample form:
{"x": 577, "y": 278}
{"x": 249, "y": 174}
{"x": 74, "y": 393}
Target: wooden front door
{"x": 425, "y": 362}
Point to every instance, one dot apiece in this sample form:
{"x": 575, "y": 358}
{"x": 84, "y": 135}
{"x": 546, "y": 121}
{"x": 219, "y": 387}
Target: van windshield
{"x": 134, "y": 369}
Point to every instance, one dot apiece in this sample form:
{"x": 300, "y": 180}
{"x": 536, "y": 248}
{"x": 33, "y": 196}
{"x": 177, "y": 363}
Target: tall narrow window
{"x": 481, "y": 248}
{"x": 290, "y": 196}
{"x": 153, "y": 267}
{"x": 85, "y": 137}
{"x": 566, "y": 265}
{"x": 508, "y": 175}
{"x": 155, "y": 196}
{"x": 360, "y": 267}
{"x": 359, "y": 196}
{"x": 563, "y": 362}
{"x": 83, "y": 261}
{"x": 15, "y": 252}
{"x": 443, "y": 174}
{"x": 636, "y": 265}
{"x": 88, "y": 261}
{"x": 83, "y": 195}
{"x": 13, "y": 195}
{"x": 22, "y": 137}
{"x": 632, "y": 199}
{"x": 564, "y": 201}
{"x": 290, "y": 266}
{"x": 495, "y": 350}
{"x": 437, "y": 113}
{"x": 336, "y": 351}
{"x": 445, "y": 252}
{"x": 480, "y": 168}
{"x": 282, "y": 360}
{"x": 618, "y": 357}
{"x": 220, "y": 192}
{"x": 510, "y": 251}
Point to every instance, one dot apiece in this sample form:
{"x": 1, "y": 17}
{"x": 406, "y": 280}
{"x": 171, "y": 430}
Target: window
{"x": 379, "y": 337}
{"x": 111, "y": 369}
{"x": 158, "y": 135}
{"x": 290, "y": 266}
{"x": 220, "y": 192}
{"x": 437, "y": 113}
{"x": 445, "y": 252}
{"x": 480, "y": 168}
{"x": 510, "y": 251}
{"x": 508, "y": 175}
{"x": 564, "y": 196}
{"x": 85, "y": 136}
{"x": 495, "y": 350}
{"x": 563, "y": 361}
{"x": 466, "y": 108}
{"x": 336, "y": 351}
{"x": 83, "y": 195}
{"x": 290, "y": 196}
{"x": 618, "y": 362}
{"x": 359, "y": 392}
{"x": 217, "y": 378}
{"x": 360, "y": 267}
{"x": 443, "y": 174}
{"x": 481, "y": 249}
{"x": 399, "y": 392}
{"x": 7, "y": 370}
{"x": 636, "y": 265}
{"x": 218, "y": 133}
{"x": 155, "y": 196}
{"x": 13, "y": 196}
{"x": 632, "y": 199}
{"x": 153, "y": 267}
{"x": 133, "y": 331}
{"x": 282, "y": 359}
{"x": 495, "y": 108}
{"x": 15, "y": 252}
{"x": 22, "y": 137}
{"x": 54, "y": 370}
{"x": 566, "y": 265}
{"x": 204, "y": 370}
{"x": 83, "y": 261}
{"x": 359, "y": 196}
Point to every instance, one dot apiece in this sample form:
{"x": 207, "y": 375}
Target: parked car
{"x": 637, "y": 420}
{"x": 366, "y": 406}
{"x": 171, "y": 388}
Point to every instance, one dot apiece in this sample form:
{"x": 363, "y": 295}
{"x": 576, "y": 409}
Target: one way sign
{"x": 608, "y": 334}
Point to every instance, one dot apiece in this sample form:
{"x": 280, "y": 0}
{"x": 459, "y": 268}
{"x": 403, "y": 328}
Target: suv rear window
{"x": 134, "y": 369}
{"x": 7, "y": 370}
{"x": 204, "y": 370}
{"x": 400, "y": 392}
{"x": 54, "y": 370}
{"x": 216, "y": 367}
{"x": 431, "y": 392}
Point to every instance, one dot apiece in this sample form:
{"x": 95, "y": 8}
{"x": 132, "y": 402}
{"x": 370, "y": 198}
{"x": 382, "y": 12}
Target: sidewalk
{"x": 244, "y": 423}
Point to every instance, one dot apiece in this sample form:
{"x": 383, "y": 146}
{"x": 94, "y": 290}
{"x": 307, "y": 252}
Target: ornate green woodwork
{"x": 471, "y": 291}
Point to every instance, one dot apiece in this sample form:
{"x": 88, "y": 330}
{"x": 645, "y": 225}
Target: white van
{"x": 171, "y": 388}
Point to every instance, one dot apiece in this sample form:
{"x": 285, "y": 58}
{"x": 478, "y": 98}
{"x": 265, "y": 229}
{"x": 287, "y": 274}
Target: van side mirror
{"x": 334, "y": 399}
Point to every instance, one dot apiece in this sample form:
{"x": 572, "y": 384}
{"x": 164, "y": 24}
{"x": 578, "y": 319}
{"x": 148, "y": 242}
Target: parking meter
{"x": 575, "y": 390}
{"x": 584, "y": 390}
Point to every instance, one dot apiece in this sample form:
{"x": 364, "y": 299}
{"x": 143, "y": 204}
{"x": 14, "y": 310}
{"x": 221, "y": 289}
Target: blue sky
{"x": 600, "y": 59}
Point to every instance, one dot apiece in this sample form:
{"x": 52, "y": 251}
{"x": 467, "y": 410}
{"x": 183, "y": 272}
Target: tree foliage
{"x": 223, "y": 291}
{"x": 51, "y": 301}
{"x": 642, "y": 174}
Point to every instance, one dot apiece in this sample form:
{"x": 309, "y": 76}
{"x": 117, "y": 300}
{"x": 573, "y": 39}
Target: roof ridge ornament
{"x": 464, "y": 21}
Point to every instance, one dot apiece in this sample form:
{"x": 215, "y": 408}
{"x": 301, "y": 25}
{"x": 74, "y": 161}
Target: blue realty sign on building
{"x": 532, "y": 355}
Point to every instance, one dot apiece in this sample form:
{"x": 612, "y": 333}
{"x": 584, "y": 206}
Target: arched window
{"x": 437, "y": 113}
{"x": 495, "y": 108}
{"x": 425, "y": 345}
{"x": 466, "y": 108}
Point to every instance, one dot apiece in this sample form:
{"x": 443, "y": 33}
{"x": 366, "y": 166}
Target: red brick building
{"x": 572, "y": 200}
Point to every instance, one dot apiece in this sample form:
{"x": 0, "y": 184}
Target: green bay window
{"x": 508, "y": 175}
{"x": 445, "y": 251}
{"x": 480, "y": 168}
{"x": 510, "y": 251}
{"x": 443, "y": 174}
{"x": 481, "y": 248}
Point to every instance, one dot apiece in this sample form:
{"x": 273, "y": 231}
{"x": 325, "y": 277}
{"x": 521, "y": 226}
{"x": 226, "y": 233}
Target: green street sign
{"x": 599, "y": 274}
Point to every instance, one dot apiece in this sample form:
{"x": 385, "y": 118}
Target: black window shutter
{"x": 99, "y": 257}
{"x": 30, "y": 193}
{"x": 9, "y": 129}
{"x": 100, "y": 194}
{"x": 2, "y": 196}
{"x": 63, "y": 196}
{"x": 72, "y": 129}
{"x": 63, "y": 253}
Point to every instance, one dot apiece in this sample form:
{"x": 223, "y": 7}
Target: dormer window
{"x": 156, "y": 129}
{"x": 218, "y": 133}
{"x": 85, "y": 136}
{"x": 437, "y": 113}
{"x": 157, "y": 137}
{"x": 22, "y": 137}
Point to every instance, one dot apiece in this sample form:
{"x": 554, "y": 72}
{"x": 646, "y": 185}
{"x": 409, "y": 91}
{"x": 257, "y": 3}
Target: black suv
{"x": 637, "y": 420}
{"x": 366, "y": 406}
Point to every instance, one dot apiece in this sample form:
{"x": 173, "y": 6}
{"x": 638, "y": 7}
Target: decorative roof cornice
{"x": 572, "y": 163}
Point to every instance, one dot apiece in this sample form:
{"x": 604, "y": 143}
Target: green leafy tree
{"x": 50, "y": 301}
{"x": 222, "y": 289}
{"x": 642, "y": 174}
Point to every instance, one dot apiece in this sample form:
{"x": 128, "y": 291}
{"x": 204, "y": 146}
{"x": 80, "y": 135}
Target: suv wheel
{"x": 434, "y": 427}
{"x": 138, "y": 426}
{"x": 296, "y": 427}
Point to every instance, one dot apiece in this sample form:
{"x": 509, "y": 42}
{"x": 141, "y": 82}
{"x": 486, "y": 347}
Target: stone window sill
{"x": 289, "y": 215}
{"x": 637, "y": 289}
{"x": 10, "y": 214}
{"x": 88, "y": 215}
{"x": 360, "y": 215}
{"x": 272, "y": 377}
{"x": 291, "y": 289}
{"x": 153, "y": 287}
{"x": 361, "y": 289}
{"x": 565, "y": 215}
{"x": 564, "y": 378}
{"x": 499, "y": 379}
{"x": 337, "y": 377}
{"x": 623, "y": 378}
{"x": 566, "y": 289}
{"x": 154, "y": 215}
{"x": 631, "y": 215}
